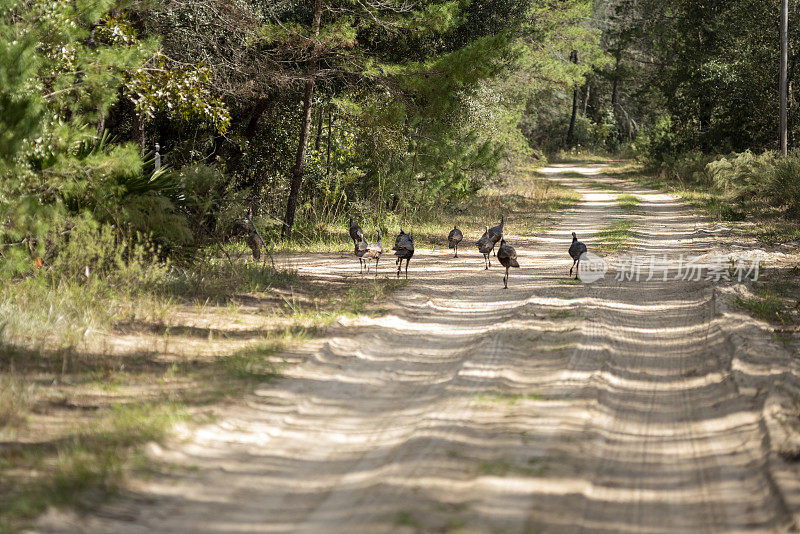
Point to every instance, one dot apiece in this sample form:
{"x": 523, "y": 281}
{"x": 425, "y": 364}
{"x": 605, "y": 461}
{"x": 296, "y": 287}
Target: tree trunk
{"x": 575, "y": 96}
{"x": 784, "y": 77}
{"x": 330, "y": 132}
{"x": 414, "y": 161}
{"x": 101, "y": 123}
{"x": 615, "y": 97}
{"x": 299, "y": 164}
{"x": 252, "y": 124}
{"x": 140, "y": 133}
{"x": 586, "y": 99}
{"x": 305, "y": 127}
{"x": 320, "y": 122}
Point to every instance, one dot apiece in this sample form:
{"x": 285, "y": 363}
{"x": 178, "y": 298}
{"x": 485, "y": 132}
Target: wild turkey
{"x": 361, "y": 249}
{"x": 373, "y": 252}
{"x": 507, "y": 257}
{"x": 576, "y": 250}
{"x": 496, "y": 233}
{"x": 356, "y": 234}
{"x": 485, "y": 246}
{"x": 255, "y": 243}
{"x": 404, "y": 250}
{"x": 454, "y": 238}
{"x": 253, "y": 238}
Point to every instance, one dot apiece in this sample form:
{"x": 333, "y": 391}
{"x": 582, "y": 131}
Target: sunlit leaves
{"x": 182, "y": 92}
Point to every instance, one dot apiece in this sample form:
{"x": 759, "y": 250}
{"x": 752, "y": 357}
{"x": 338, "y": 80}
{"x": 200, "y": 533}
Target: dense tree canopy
{"x": 342, "y": 106}
{"x": 706, "y": 72}
{"x": 399, "y": 104}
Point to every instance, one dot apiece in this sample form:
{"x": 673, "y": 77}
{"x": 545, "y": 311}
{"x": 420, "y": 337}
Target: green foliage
{"x": 767, "y": 306}
{"x": 658, "y": 143}
{"x": 693, "y": 74}
{"x": 419, "y": 106}
{"x": 182, "y": 92}
{"x": 627, "y": 202}
{"x": 615, "y": 237}
{"x": 211, "y": 205}
{"x": 20, "y": 108}
{"x": 739, "y": 184}
{"x": 414, "y": 109}
{"x": 64, "y": 184}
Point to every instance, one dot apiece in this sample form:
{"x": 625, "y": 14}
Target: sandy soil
{"x": 616, "y": 406}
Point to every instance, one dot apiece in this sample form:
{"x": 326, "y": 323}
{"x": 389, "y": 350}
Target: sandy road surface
{"x": 617, "y": 406}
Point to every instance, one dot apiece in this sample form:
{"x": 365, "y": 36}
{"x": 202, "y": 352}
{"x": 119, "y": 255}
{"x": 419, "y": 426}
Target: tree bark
{"x": 305, "y": 127}
{"x": 784, "y": 77}
{"x": 586, "y": 99}
{"x": 101, "y": 123}
{"x": 252, "y": 124}
{"x": 615, "y": 97}
{"x": 320, "y": 122}
{"x": 299, "y": 165}
{"x": 575, "y": 96}
{"x": 139, "y": 123}
{"x": 330, "y": 132}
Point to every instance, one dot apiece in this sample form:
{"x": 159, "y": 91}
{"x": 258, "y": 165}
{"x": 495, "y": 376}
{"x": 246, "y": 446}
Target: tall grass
{"x": 81, "y": 461}
{"x": 528, "y": 197}
{"x": 762, "y": 190}
{"x": 14, "y": 401}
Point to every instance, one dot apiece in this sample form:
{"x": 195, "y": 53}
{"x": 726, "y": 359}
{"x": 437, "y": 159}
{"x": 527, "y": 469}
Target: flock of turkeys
{"x": 404, "y": 248}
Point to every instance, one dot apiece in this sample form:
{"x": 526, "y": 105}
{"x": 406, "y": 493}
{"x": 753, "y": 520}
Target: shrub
{"x": 211, "y": 203}
{"x": 690, "y": 168}
{"x": 740, "y": 183}
{"x": 783, "y": 185}
{"x": 659, "y": 144}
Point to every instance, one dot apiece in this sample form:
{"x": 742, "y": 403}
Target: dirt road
{"x": 616, "y": 406}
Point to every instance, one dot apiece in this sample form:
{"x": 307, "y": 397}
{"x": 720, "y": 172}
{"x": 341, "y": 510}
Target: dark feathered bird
{"x": 356, "y": 233}
{"x": 373, "y": 252}
{"x": 255, "y": 243}
{"x": 496, "y": 233}
{"x": 253, "y": 238}
{"x": 361, "y": 249}
{"x": 454, "y": 239}
{"x": 485, "y": 246}
{"x": 576, "y": 250}
{"x": 404, "y": 250}
{"x": 507, "y": 257}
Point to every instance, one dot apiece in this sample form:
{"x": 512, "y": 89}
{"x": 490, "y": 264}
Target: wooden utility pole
{"x": 784, "y": 76}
